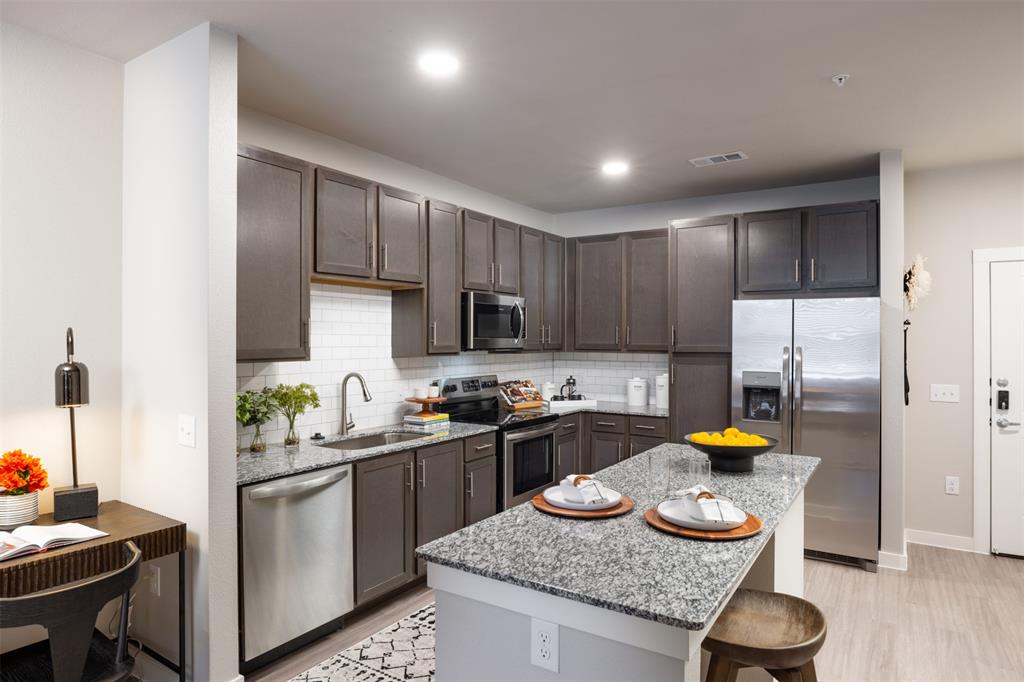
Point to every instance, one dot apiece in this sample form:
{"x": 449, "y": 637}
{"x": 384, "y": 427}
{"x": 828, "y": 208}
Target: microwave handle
{"x": 521, "y": 333}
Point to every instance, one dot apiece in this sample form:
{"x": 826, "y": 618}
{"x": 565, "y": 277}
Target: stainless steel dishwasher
{"x": 296, "y": 557}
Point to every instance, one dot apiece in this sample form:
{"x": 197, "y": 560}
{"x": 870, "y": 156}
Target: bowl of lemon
{"x": 731, "y": 449}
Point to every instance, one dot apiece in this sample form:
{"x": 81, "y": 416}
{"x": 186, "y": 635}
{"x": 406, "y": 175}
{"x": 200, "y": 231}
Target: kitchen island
{"x": 629, "y": 601}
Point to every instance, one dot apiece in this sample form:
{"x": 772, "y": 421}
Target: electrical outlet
{"x": 952, "y": 485}
{"x": 945, "y": 393}
{"x": 154, "y": 580}
{"x": 187, "y": 430}
{"x": 544, "y": 644}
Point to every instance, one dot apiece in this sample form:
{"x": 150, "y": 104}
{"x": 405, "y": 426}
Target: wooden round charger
{"x": 623, "y": 507}
{"x": 752, "y": 526}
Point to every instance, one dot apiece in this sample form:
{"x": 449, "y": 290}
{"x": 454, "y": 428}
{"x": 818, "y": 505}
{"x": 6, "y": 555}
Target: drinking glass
{"x": 659, "y": 474}
{"x": 699, "y": 471}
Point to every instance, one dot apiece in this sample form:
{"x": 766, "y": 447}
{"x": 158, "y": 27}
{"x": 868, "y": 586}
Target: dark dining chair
{"x": 75, "y": 650}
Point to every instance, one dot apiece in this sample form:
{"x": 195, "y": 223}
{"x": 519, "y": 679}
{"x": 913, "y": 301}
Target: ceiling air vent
{"x": 716, "y": 159}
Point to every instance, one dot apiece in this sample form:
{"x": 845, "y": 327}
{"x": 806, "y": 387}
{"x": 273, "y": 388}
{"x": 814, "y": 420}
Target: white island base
{"x": 484, "y": 625}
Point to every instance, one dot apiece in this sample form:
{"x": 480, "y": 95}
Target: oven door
{"x": 528, "y": 465}
{"x": 493, "y": 321}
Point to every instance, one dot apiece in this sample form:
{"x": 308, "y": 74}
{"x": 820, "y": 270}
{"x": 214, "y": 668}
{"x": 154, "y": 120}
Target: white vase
{"x": 18, "y": 510}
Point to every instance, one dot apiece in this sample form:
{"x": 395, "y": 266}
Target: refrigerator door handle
{"x": 798, "y": 401}
{"x": 784, "y": 401}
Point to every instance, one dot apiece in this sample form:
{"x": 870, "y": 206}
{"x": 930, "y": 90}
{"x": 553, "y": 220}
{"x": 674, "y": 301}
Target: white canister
{"x": 548, "y": 389}
{"x": 636, "y": 392}
{"x": 661, "y": 391}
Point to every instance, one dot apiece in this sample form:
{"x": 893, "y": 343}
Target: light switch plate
{"x": 187, "y": 430}
{"x": 945, "y": 393}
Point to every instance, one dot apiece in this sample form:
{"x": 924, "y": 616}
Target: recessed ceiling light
{"x": 438, "y": 63}
{"x": 615, "y": 167}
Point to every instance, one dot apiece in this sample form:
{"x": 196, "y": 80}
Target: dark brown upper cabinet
{"x": 842, "y": 246}
{"x": 769, "y": 253}
{"x": 444, "y": 316}
{"x": 385, "y": 524}
{"x": 477, "y": 251}
{"x": 701, "y": 282}
{"x": 275, "y": 220}
{"x": 506, "y": 257}
{"x": 346, "y": 222}
{"x": 554, "y": 291}
{"x": 646, "y": 295}
{"x": 402, "y": 236}
{"x": 531, "y": 273}
{"x": 598, "y": 292}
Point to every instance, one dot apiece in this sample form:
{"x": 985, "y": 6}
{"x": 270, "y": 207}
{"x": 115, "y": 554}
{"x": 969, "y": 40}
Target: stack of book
{"x": 436, "y": 421}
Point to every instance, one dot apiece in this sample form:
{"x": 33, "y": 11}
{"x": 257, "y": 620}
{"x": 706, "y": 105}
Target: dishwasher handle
{"x": 286, "y": 488}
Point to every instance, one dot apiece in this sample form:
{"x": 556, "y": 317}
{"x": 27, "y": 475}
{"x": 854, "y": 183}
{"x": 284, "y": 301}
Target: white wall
{"x": 950, "y": 212}
{"x": 60, "y": 253}
{"x": 659, "y": 214}
{"x": 262, "y": 130}
{"x": 178, "y": 310}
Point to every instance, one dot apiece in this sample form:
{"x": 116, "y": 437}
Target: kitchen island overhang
{"x": 628, "y": 599}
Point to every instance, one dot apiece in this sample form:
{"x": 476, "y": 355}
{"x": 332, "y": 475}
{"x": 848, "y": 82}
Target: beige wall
{"x": 949, "y": 212}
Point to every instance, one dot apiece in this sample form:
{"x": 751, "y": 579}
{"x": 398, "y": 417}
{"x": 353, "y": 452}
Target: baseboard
{"x": 962, "y": 543}
{"x": 892, "y": 561}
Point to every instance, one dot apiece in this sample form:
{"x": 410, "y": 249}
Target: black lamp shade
{"x": 71, "y": 384}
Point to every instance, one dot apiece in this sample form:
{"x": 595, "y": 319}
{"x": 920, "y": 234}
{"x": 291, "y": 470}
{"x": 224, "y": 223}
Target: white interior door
{"x": 1007, "y": 411}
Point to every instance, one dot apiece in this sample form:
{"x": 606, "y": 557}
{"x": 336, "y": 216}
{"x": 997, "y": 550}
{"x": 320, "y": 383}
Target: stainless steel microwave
{"x": 493, "y": 321}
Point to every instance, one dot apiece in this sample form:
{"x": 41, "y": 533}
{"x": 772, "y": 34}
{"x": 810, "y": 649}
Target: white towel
{"x": 718, "y": 509}
{"x": 585, "y": 493}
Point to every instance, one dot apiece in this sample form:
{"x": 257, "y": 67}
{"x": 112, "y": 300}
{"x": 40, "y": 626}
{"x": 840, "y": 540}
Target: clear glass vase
{"x": 258, "y": 444}
{"x": 292, "y": 439}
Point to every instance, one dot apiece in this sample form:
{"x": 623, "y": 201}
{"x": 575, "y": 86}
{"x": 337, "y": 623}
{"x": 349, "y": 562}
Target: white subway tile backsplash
{"x": 350, "y": 330}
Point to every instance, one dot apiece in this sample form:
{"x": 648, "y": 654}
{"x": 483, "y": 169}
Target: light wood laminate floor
{"x": 952, "y": 616}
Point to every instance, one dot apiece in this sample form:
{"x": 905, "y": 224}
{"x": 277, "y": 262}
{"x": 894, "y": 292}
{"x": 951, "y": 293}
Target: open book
{"x": 32, "y": 539}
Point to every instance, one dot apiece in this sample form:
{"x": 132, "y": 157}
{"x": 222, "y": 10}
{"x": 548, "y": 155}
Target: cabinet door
{"x": 402, "y": 234}
{"x": 346, "y": 218}
{"x": 842, "y": 246}
{"x": 385, "y": 514}
{"x": 531, "y": 274}
{"x": 606, "y": 449}
{"x": 477, "y": 251}
{"x": 554, "y": 288}
{"x": 769, "y": 251}
{"x": 598, "y": 293}
{"x": 275, "y": 215}
{"x": 647, "y": 291}
{"x": 506, "y": 257}
{"x": 439, "y": 491}
{"x": 701, "y": 285}
{"x": 444, "y": 320}
{"x": 699, "y": 394}
{"x": 481, "y": 496}
{"x": 638, "y": 444}
{"x": 567, "y": 455}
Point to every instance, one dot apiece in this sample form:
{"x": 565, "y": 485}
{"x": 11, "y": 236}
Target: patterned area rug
{"x": 404, "y": 651}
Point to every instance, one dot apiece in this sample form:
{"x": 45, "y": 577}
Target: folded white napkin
{"x": 585, "y": 493}
{"x": 716, "y": 509}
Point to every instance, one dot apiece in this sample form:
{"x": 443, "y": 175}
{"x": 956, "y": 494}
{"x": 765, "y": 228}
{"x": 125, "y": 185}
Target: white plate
{"x": 674, "y": 511}
{"x": 555, "y": 498}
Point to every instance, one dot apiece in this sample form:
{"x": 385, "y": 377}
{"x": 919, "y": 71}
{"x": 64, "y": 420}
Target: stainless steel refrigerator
{"x": 806, "y": 371}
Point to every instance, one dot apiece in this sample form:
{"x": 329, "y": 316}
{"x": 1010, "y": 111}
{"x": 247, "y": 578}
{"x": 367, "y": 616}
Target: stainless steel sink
{"x": 373, "y": 440}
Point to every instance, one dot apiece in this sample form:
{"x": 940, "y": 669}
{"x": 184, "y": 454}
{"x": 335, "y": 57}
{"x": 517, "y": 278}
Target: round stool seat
{"x": 767, "y": 630}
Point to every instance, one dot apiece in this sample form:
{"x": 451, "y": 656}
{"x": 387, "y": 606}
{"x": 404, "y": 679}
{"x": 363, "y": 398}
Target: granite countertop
{"x": 279, "y": 461}
{"x": 609, "y": 407}
{"x": 623, "y": 564}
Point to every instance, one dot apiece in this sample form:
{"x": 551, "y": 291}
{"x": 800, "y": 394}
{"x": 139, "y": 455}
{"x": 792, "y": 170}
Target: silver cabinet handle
{"x": 812, "y": 269}
{"x": 549, "y": 333}
{"x": 645, "y": 427}
{"x": 672, "y": 373}
{"x": 408, "y": 468}
{"x": 568, "y": 426}
{"x": 673, "y": 336}
{"x": 491, "y": 278}
{"x": 499, "y": 273}
{"x": 433, "y": 333}
{"x": 616, "y": 335}
{"x": 619, "y": 456}
{"x": 478, "y": 448}
{"x": 370, "y": 248}
{"x": 798, "y": 397}
{"x": 627, "y": 334}
{"x": 286, "y": 488}
{"x": 1003, "y": 422}
{"x": 384, "y": 257}
{"x": 470, "y": 477}
{"x": 631, "y": 444}
{"x": 606, "y": 423}
{"x": 796, "y": 270}
{"x": 423, "y": 473}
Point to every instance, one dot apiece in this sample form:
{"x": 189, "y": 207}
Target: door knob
{"x": 1003, "y": 422}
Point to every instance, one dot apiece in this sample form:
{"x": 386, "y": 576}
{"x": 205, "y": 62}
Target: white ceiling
{"x": 550, "y": 89}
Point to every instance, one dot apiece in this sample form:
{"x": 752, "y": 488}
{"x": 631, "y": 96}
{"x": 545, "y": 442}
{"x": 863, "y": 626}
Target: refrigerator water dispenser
{"x": 762, "y": 396}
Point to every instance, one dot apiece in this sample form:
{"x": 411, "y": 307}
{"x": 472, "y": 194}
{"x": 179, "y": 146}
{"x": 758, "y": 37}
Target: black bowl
{"x": 732, "y": 457}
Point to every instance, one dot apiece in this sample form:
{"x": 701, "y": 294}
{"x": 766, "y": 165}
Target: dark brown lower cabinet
{"x": 385, "y": 525}
{"x": 699, "y": 393}
{"x": 438, "y": 492}
{"x": 567, "y": 454}
{"x": 606, "y": 449}
{"x": 638, "y": 444}
{"x": 481, "y": 495}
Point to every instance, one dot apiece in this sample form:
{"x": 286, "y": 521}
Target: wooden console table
{"x": 155, "y": 535}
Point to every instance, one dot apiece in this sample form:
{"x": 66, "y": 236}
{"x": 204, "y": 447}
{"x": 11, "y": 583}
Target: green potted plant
{"x": 291, "y": 402}
{"x": 255, "y": 408}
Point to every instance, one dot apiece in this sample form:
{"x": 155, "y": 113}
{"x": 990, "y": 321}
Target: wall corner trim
{"x": 892, "y": 561}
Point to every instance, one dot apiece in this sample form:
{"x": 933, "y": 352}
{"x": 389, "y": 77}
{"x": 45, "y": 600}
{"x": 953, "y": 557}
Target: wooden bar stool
{"x": 777, "y": 632}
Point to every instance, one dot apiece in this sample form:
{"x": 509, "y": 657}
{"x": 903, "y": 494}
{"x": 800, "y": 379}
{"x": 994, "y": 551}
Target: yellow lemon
{"x": 731, "y": 431}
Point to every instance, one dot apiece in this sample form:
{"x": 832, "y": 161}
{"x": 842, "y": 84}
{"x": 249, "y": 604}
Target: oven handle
{"x": 536, "y": 432}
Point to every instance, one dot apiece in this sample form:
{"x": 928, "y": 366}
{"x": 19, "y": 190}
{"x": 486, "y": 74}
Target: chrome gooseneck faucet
{"x": 346, "y": 417}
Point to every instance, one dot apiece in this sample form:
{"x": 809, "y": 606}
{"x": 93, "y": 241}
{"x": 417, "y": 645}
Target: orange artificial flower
{"x": 21, "y": 473}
